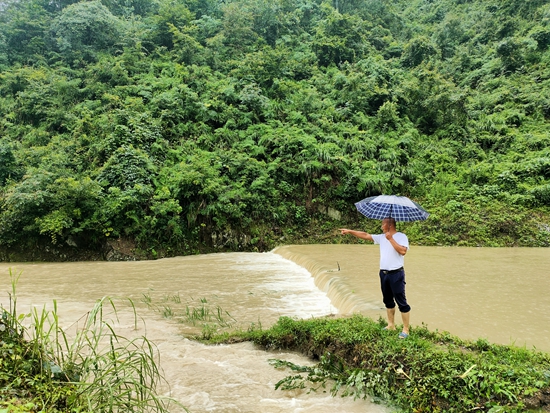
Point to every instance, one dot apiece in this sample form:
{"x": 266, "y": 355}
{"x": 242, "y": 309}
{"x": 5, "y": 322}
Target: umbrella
{"x": 399, "y": 208}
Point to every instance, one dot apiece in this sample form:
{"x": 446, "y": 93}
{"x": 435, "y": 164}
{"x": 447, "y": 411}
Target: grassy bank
{"x": 44, "y": 369}
{"x": 427, "y": 372}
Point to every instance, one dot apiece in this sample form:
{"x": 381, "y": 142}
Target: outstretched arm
{"x": 358, "y": 234}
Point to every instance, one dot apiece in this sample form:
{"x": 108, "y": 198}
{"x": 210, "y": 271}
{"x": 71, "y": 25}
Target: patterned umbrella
{"x": 400, "y": 208}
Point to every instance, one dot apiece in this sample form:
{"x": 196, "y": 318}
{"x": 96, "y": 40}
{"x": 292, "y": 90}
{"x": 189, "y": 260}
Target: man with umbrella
{"x": 393, "y": 247}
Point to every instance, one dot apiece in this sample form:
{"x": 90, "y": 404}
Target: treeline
{"x": 182, "y": 125}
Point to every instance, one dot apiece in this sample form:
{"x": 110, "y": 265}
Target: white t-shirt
{"x": 390, "y": 259}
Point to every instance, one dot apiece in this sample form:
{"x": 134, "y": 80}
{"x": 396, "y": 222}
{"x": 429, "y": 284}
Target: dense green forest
{"x": 181, "y": 126}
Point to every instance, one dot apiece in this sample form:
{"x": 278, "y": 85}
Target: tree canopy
{"x": 186, "y": 125}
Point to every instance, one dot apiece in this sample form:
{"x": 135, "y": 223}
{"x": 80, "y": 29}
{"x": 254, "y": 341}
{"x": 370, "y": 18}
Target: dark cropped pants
{"x": 393, "y": 289}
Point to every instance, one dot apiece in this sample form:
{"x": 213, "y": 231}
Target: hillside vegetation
{"x": 179, "y": 126}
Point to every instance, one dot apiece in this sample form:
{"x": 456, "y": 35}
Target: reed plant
{"x": 93, "y": 369}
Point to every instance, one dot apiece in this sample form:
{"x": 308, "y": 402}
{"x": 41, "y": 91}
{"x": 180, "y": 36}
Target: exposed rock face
{"x": 113, "y": 250}
{"x": 539, "y": 400}
{"x": 121, "y": 250}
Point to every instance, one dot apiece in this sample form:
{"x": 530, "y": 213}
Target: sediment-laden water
{"x": 253, "y": 288}
{"x": 499, "y": 294}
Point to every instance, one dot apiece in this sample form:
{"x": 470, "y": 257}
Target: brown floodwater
{"x": 251, "y": 288}
{"x": 499, "y": 294}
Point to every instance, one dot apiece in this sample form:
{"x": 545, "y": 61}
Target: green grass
{"x": 427, "y": 372}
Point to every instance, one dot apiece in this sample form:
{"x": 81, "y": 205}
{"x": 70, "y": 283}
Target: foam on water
{"x": 298, "y": 295}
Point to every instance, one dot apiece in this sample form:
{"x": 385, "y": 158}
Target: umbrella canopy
{"x": 399, "y": 208}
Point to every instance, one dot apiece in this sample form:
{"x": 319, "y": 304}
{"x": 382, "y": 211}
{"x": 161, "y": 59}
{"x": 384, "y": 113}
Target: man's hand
{"x": 401, "y": 250}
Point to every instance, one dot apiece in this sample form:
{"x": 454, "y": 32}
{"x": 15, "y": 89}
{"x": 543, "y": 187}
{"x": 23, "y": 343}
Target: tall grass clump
{"x": 92, "y": 369}
{"x": 427, "y": 372}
